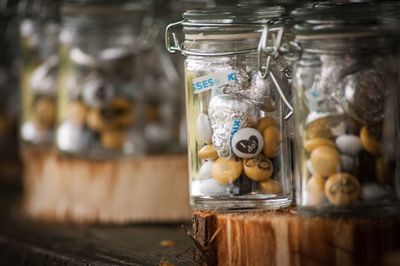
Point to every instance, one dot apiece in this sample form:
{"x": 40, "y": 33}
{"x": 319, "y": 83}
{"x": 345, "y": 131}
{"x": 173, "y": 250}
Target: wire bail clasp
{"x": 170, "y": 34}
{"x": 272, "y": 53}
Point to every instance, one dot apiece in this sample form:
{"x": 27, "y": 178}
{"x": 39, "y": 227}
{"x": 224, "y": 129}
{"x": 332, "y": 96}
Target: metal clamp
{"x": 176, "y": 47}
{"x": 272, "y": 53}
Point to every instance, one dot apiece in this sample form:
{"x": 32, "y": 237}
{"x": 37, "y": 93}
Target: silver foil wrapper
{"x": 229, "y": 113}
{"x": 241, "y": 85}
{"x": 365, "y": 94}
{"x": 262, "y": 92}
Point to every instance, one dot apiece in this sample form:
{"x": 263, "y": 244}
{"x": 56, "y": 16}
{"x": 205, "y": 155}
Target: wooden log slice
{"x": 285, "y": 238}
{"x": 146, "y": 189}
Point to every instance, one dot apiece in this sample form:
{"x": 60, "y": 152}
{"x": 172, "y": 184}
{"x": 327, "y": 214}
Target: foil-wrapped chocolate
{"x": 365, "y": 93}
{"x": 241, "y": 85}
{"x": 262, "y": 92}
{"x": 229, "y": 113}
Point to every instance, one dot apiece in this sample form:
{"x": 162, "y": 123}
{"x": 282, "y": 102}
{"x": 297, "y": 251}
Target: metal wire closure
{"x": 272, "y": 53}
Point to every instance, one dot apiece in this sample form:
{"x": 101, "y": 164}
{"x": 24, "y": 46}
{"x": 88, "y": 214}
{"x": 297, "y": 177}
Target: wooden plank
{"x": 26, "y": 242}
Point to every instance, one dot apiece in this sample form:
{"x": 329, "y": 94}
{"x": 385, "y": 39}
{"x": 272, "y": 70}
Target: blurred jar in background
{"x": 39, "y": 29}
{"x": 345, "y": 112}
{"x": 101, "y": 104}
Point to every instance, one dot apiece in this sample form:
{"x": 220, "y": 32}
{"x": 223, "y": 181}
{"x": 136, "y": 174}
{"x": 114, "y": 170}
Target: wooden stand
{"x": 284, "y": 238}
{"x": 148, "y": 189}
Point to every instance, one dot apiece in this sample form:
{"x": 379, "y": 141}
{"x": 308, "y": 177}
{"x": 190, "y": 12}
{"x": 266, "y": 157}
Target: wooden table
{"x": 24, "y": 242}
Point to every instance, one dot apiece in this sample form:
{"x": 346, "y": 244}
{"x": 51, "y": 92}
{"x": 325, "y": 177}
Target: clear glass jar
{"x": 100, "y": 101}
{"x": 39, "y": 31}
{"x": 238, "y": 146}
{"x": 345, "y": 163}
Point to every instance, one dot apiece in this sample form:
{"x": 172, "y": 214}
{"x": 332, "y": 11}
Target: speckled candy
{"x": 342, "y": 189}
{"x": 259, "y": 169}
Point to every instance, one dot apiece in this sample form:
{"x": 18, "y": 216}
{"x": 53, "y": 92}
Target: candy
{"x": 265, "y": 122}
{"x": 342, "y": 189}
{"x": 271, "y": 187}
{"x": 369, "y": 142}
{"x": 261, "y": 92}
{"x": 247, "y": 143}
{"x": 259, "y": 169}
{"x": 208, "y": 152}
{"x": 211, "y": 187}
{"x": 226, "y": 171}
{"x": 271, "y": 142}
{"x": 77, "y": 113}
{"x": 44, "y": 78}
{"x": 349, "y": 144}
{"x": 325, "y": 160}
{"x": 374, "y": 191}
{"x": 33, "y": 132}
{"x": 312, "y": 144}
{"x": 315, "y": 190}
{"x": 348, "y": 163}
{"x": 228, "y": 114}
{"x": 241, "y": 186}
{"x": 72, "y": 137}
{"x": 113, "y": 139}
{"x": 205, "y": 171}
{"x": 204, "y": 131}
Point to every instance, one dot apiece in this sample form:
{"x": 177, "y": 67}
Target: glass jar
{"x": 237, "y": 139}
{"x": 39, "y": 29}
{"x": 100, "y": 101}
{"x": 345, "y": 163}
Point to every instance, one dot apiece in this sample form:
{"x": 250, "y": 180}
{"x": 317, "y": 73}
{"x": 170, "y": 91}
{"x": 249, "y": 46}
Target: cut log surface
{"x": 285, "y": 238}
{"x": 147, "y": 189}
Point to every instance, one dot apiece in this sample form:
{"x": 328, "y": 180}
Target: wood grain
{"x": 146, "y": 189}
{"x": 285, "y": 238}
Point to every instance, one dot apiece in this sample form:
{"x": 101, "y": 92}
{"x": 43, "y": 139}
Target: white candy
{"x": 79, "y": 57}
{"x": 204, "y": 130}
{"x": 247, "y": 143}
{"x": 205, "y": 171}
{"x": 373, "y": 191}
{"x": 212, "y": 187}
{"x": 347, "y": 163}
{"x": 349, "y": 144}
{"x": 44, "y": 78}
{"x": 310, "y": 167}
{"x": 30, "y": 131}
{"x": 195, "y": 188}
{"x": 72, "y": 138}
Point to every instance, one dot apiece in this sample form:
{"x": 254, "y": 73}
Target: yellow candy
{"x": 94, "y": 120}
{"x": 45, "y": 112}
{"x": 77, "y": 113}
{"x": 266, "y": 122}
{"x": 271, "y": 142}
{"x": 226, "y": 171}
{"x": 315, "y": 190}
{"x": 271, "y": 187}
{"x": 342, "y": 189}
{"x": 325, "y": 160}
{"x": 113, "y": 139}
{"x": 121, "y": 113}
{"x": 369, "y": 143}
{"x": 311, "y": 144}
{"x": 259, "y": 169}
{"x": 208, "y": 152}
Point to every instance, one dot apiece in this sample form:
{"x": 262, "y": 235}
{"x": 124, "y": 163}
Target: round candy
{"x": 259, "y": 169}
{"x": 374, "y": 191}
{"x": 119, "y": 113}
{"x": 247, "y": 143}
{"x": 271, "y": 187}
{"x": 211, "y": 187}
{"x": 94, "y": 120}
{"x": 325, "y": 160}
{"x": 369, "y": 142}
{"x": 204, "y": 130}
{"x": 324, "y": 127}
{"x": 342, "y": 189}
{"x": 205, "y": 170}
{"x": 72, "y": 137}
{"x": 113, "y": 139}
{"x": 315, "y": 190}
{"x": 265, "y": 122}
{"x": 311, "y": 144}
{"x": 310, "y": 167}
{"x": 208, "y": 152}
{"x": 271, "y": 142}
{"x": 45, "y": 112}
{"x": 226, "y": 171}
{"x": 32, "y": 132}
{"x": 97, "y": 92}
{"x": 349, "y": 144}
{"x": 77, "y": 113}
